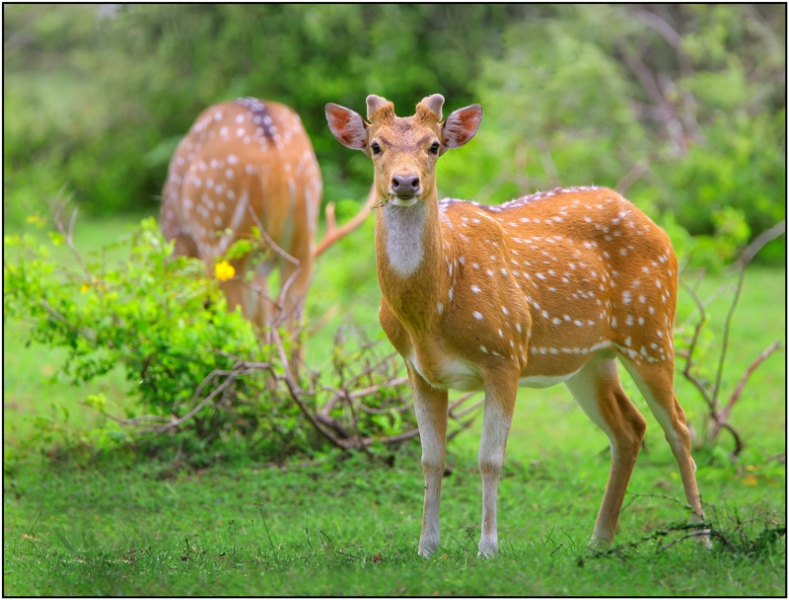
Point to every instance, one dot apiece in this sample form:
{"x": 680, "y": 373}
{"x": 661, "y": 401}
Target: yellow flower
{"x": 37, "y": 220}
{"x": 749, "y": 480}
{"x": 224, "y": 271}
{"x": 88, "y": 284}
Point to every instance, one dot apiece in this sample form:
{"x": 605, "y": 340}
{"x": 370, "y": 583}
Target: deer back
{"x": 243, "y": 163}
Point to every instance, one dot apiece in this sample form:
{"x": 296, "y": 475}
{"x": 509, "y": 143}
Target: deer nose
{"x": 405, "y": 184}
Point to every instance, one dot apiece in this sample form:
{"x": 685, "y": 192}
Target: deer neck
{"x": 410, "y": 253}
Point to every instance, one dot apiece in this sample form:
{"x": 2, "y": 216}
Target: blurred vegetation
{"x": 681, "y": 107}
{"x": 198, "y": 375}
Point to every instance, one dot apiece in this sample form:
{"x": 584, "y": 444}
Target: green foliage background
{"x": 680, "y": 107}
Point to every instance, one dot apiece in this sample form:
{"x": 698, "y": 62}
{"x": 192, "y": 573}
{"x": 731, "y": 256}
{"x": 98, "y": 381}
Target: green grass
{"x": 353, "y": 531}
{"x": 243, "y": 528}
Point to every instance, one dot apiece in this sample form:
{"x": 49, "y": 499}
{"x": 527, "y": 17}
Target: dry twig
{"x": 711, "y": 392}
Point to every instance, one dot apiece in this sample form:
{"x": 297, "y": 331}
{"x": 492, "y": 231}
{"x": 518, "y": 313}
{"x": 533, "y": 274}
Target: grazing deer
{"x": 544, "y": 289}
{"x": 245, "y": 164}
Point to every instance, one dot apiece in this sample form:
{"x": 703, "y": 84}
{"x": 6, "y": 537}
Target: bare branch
{"x": 295, "y": 394}
{"x": 666, "y": 31}
{"x": 650, "y": 84}
{"x": 724, "y": 414}
{"x": 84, "y": 332}
{"x": 137, "y": 421}
{"x": 267, "y": 238}
{"x": 355, "y": 423}
{"x": 777, "y": 345}
{"x": 634, "y": 497}
{"x": 469, "y": 410}
{"x": 257, "y": 289}
{"x": 463, "y": 426}
{"x": 68, "y": 233}
{"x": 274, "y": 246}
{"x": 333, "y": 424}
{"x": 745, "y": 258}
{"x": 334, "y": 233}
{"x": 375, "y": 388}
{"x": 230, "y": 378}
{"x": 460, "y": 401}
{"x": 693, "y": 534}
{"x": 632, "y": 176}
{"x": 656, "y": 534}
{"x": 689, "y": 358}
{"x": 768, "y": 235}
{"x": 726, "y": 330}
{"x": 343, "y": 394}
{"x": 719, "y": 417}
{"x": 738, "y": 443}
{"x": 392, "y": 439}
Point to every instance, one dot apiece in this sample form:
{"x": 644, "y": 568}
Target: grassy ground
{"x": 147, "y": 528}
{"x": 353, "y": 531}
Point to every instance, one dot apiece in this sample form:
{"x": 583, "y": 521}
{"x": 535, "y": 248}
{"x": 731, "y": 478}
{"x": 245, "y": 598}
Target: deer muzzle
{"x": 405, "y": 188}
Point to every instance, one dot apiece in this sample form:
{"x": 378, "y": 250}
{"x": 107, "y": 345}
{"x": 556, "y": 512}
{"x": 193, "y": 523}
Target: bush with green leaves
{"x": 197, "y": 371}
{"x": 156, "y": 315}
{"x": 632, "y": 98}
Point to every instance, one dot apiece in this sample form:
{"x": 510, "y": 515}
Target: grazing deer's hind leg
{"x": 597, "y": 390}
{"x": 294, "y": 282}
{"x": 185, "y": 246}
{"x": 297, "y": 277}
{"x": 656, "y": 384}
{"x": 431, "y": 408}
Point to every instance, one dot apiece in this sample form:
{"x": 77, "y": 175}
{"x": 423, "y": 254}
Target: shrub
{"x": 196, "y": 370}
{"x": 155, "y": 315}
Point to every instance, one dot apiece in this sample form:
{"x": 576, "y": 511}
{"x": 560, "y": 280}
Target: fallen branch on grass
{"x": 697, "y": 528}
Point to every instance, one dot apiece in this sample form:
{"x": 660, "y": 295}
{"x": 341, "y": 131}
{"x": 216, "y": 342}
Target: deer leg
{"x": 499, "y": 408}
{"x": 656, "y": 384}
{"x": 295, "y": 280}
{"x": 184, "y": 245}
{"x": 597, "y": 390}
{"x": 257, "y": 303}
{"x": 431, "y": 408}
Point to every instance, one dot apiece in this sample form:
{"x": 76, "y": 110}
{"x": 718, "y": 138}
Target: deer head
{"x": 404, "y": 150}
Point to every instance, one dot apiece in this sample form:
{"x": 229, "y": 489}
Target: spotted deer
{"x": 548, "y": 288}
{"x": 244, "y": 164}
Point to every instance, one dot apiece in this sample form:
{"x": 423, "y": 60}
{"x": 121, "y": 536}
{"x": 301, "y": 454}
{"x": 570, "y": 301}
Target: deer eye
{"x": 434, "y": 148}
{"x": 375, "y": 148}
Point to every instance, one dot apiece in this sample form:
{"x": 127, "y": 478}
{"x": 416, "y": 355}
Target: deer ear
{"x": 347, "y": 126}
{"x": 461, "y": 126}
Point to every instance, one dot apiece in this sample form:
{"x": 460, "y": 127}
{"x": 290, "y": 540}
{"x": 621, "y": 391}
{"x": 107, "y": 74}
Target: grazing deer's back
{"x": 242, "y": 155}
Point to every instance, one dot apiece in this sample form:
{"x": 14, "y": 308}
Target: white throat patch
{"x": 404, "y": 229}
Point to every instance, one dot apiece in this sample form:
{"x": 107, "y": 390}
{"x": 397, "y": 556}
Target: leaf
{"x": 56, "y": 238}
